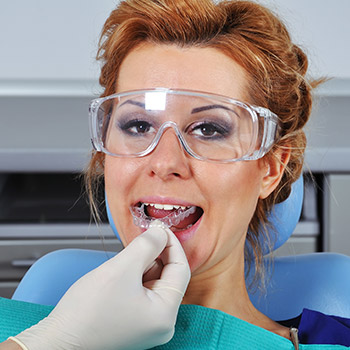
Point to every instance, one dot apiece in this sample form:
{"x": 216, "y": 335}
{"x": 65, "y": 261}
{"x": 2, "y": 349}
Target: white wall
{"x": 322, "y": 27}
{"x": 51, "y": 39}
{"x": 58, "y": 39}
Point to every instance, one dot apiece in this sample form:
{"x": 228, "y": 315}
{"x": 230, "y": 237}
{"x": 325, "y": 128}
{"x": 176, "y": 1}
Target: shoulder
{"x": 315, "y": 327}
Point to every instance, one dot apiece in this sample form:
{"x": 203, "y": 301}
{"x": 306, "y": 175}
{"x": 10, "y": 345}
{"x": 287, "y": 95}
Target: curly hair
{"x": 253, "y": 37}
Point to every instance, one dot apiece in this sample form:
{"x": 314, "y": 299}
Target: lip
{"x": 183, "y": 235}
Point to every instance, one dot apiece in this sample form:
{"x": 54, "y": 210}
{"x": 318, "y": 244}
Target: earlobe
{"x": 274, "y": 166}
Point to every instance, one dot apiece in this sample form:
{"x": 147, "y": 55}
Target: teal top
{"x": 197, "y": 327}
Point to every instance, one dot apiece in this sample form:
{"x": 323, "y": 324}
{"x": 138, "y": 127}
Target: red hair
{"x": 245, "y": 31}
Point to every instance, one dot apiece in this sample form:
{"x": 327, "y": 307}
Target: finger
{"x": 154, "y": 272}
{"x": 166, "y": 290}
{"x": 176, "y": 271}
{"x": 144, "y": 249}
{"x": 174, "y": 251}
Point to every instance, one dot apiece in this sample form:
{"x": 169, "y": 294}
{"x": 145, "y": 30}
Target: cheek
{"x": 231, "y": 195}
{"x": 236, "y": 188}
{"x": 119, "y": 179}
{"x": 115, "y": 182}
{"x": 241, "y": 197}
{"x": 120, "y": 172}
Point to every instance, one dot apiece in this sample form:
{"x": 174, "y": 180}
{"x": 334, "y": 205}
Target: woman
{"x": 182, "y": 142}
{"x": 234, "y": 49}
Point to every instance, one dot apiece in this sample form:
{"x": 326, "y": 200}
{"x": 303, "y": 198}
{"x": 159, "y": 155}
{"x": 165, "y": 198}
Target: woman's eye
{"x": 209, "y": 131}
{"x": 136, "y": 127}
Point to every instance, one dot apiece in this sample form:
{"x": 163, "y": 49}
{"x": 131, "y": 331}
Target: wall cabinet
{"x": 337, "y": 231}
{"x": 40, "y": 213}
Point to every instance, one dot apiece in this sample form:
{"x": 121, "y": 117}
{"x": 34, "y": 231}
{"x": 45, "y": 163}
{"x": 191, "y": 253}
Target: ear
{"x": 273, "y": 167}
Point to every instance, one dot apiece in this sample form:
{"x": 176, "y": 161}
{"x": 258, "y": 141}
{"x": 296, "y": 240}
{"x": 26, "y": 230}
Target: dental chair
{"x": 317, "y": 281}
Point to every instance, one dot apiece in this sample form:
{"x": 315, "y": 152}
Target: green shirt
{"x": 197, "y": 327}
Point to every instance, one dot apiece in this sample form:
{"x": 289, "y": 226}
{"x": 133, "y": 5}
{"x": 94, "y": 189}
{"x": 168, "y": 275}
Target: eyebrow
{"x": 194, "y": 110}
{"x": 135, "y": 103}
{"x": 209, "y": 107}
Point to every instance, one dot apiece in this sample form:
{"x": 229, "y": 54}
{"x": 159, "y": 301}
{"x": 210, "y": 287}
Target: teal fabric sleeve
{"x": 197, "y": 327}
{"x": 16, "y": 316}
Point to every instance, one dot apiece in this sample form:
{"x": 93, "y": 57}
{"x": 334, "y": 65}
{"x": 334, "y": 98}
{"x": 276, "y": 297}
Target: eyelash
{"x": 135, "y": 123}
{"x": 220, "y": 131}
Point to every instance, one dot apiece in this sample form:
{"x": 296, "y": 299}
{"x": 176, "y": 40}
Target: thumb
{"x": 176, "y": 272}
{"x": 144, "y": 249}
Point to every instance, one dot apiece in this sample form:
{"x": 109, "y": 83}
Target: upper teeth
{"x": 165, "y": 206}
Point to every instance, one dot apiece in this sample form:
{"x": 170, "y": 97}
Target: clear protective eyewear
{"x": 209, "y": 127}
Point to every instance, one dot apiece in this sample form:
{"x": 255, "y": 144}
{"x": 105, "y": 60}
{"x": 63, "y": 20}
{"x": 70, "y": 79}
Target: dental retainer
{"x": 174, "y": 218}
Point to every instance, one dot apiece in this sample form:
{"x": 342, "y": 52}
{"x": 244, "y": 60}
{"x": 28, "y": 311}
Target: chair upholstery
{"x": 318, "y": 281}
{"x": 50, "y": 277}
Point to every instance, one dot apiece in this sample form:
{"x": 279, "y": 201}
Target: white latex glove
{"x": 115, "y": 306}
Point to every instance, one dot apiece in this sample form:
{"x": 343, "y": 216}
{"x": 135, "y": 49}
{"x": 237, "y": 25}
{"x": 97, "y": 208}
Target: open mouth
{"x": 176, "y": 217}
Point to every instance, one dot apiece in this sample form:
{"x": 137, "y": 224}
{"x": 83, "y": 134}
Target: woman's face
{"x": 226, "y": 193}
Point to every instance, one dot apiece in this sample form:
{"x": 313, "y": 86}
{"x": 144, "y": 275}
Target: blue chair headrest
{"x": 284, "y": 217}
{"x": 110, "y": 219}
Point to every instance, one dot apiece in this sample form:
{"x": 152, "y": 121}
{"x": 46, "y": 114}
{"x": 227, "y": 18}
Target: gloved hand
{"x": 119, "y": 305}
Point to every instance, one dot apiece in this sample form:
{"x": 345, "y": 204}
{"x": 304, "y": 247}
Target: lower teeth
{"x": 174, "y": 218}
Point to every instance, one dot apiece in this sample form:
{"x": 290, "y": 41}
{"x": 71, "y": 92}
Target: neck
{"x": 223, "y": 287}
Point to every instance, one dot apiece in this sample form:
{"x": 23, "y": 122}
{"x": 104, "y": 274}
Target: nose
{"x": 169, "y": 160}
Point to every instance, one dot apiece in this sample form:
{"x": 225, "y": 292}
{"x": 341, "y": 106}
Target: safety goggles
{"x": 209, "y": 127}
